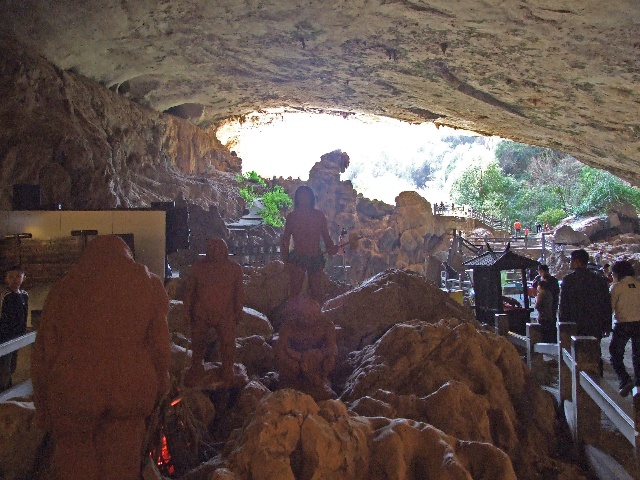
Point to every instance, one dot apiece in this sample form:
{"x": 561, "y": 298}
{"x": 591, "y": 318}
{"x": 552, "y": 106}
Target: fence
{"x": 467, "y": 211}
{"x": 581, "y": 392}
{"x": 23, "y": 388}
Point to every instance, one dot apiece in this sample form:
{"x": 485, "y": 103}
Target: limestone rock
{"x": 20, "y": 440}
{"x": 414, "y": 212}
{"x": 289, "y": 436}
{"x": 253, "y": 323}
{"x": 365, "y": 313}
{"x": 406, "y": 450}
{"x": 266, "y": 288}
{"x": 438, "y": 370}
{"x": 89, "y": 148}
{"x": 373, "y": 208}
{"x": 484, "y": 68}
{"x": 255, "y": 354}
{"x": 568, "y": 236}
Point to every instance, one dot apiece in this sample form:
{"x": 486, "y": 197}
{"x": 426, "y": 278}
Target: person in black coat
{"x": 585, "y": 299}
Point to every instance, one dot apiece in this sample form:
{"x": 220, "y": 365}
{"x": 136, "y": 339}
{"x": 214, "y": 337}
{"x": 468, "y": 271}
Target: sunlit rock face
{"x": 563, "y": 75}
{"x": 90, "y": 148}
{"x": 366, "y": 312}
{"x": 429, "y": 399}
{"x": 468, "y": 383}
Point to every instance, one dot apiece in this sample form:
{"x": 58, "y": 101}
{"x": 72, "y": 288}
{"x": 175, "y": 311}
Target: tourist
{"x": 517, "y": 226}
{"x": 100, "y": 363}
{"x": 213, "y": 300}
{"x": 553, "y": 285}
{"x": 538, "y": 227}
{"x": 585, "y": 299}
{"x": 625, "y": 300}
{"x": 526, "y": 232}
{"x": 13, "y": 320}
{"x": 546, "y": 314}
{"x": 306, "y": 226}
{"x": 606, "y": 272}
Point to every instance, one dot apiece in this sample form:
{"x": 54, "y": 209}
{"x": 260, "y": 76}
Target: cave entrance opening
{"x": 387, "y": 156}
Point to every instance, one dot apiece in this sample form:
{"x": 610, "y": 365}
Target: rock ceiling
{"x": 563, "y": 74}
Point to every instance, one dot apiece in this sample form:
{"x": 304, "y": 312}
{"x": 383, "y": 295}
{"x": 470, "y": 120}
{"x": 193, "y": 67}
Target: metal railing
{"x": 6, "y": 348}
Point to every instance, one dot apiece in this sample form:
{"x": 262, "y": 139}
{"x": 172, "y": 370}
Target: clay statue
{"x": 306, "y": 226}
{"x": 100, "y": 362}
{"x": 213, "y": 300}
{"x": 306, "y": 350}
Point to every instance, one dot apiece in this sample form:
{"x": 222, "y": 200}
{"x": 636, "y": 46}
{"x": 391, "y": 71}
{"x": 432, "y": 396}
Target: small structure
{"x": 487, "y": 284}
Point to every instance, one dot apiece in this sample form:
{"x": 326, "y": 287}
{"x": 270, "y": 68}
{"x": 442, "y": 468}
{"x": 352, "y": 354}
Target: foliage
{"x": 274, "y": 200}
{"x": 553, "y": 216}
{"x": 545, "y": 186}
{"x": 515, "y": 158}
{"x": 599, "y": 189}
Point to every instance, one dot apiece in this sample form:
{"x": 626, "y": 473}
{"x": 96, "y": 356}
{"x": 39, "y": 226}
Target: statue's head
{"x": 304, "y": 197}
{"x": 302, "y": 310}
{"x": 217, "y": 250}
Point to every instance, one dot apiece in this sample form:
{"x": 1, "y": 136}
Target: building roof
{"x": 506, "y": 260}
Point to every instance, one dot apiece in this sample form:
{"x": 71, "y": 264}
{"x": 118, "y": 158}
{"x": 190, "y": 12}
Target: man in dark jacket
{"x": 585, "y": 299}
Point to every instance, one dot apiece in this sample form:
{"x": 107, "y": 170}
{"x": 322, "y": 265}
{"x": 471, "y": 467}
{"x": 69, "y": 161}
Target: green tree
{"x": 274, "y": 201}
{"x": 599, "y": 189}
{"x": 253, "y": 187}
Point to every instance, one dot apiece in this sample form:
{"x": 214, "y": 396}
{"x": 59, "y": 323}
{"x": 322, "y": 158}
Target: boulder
{"x": 405, "y": 450}
{"x": 289, "y": 436}
{"x": 255, "y": 354}
{"x": 267, "y": 287}
{"x": 364, "y": 314}
{"x": 20, "y": 440}
{"x": 373, "y": 208}
{"x": 253, "y": 323}
{"x": 568, "y": 236}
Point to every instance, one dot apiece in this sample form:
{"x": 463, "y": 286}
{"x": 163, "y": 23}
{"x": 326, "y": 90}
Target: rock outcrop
{"x": 89, "y": 148}
{"x": 482, "y": 392}
{"x": 366, "y": 312}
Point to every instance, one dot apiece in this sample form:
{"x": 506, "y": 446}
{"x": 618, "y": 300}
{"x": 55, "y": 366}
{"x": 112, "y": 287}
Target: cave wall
{"x": 90, "y": 148}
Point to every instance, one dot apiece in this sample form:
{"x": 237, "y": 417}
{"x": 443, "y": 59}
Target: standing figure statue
{"x": 100, "y": 362}
{"x": 307, "y": 226}
{"x": 306, "y": 351}
{"x": 213, "y": 300}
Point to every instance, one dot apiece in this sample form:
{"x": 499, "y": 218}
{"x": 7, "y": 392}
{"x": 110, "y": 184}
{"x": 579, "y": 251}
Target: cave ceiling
{"x": 562, "y": 74}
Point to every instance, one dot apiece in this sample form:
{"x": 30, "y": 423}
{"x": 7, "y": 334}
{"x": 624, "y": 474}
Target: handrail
{"x": 22, "y": 388}
{"x": 603, "y": 397}
{"x": 583, "y": 387}
{"x": 17, "y": 343}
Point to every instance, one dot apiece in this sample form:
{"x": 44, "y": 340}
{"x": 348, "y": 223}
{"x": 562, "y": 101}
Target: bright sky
{"x": 382, "y": 151}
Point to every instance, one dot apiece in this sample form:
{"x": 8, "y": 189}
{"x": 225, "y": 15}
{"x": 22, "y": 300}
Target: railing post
{"x": 636, "y": 411}
{"x": 534, "y": 335}
{"x": 501, "y": 322}
{"x": 586, "y": 413}
{"x": 565, "y": 331}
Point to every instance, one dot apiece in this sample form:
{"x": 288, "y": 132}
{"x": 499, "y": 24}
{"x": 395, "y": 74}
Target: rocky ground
{"x": 423, "y": 393}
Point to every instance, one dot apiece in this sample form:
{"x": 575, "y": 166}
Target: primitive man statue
{"x": 213, "y": 300}
{"x": 307, "y": 226}
{"x": 100, "y": 362}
